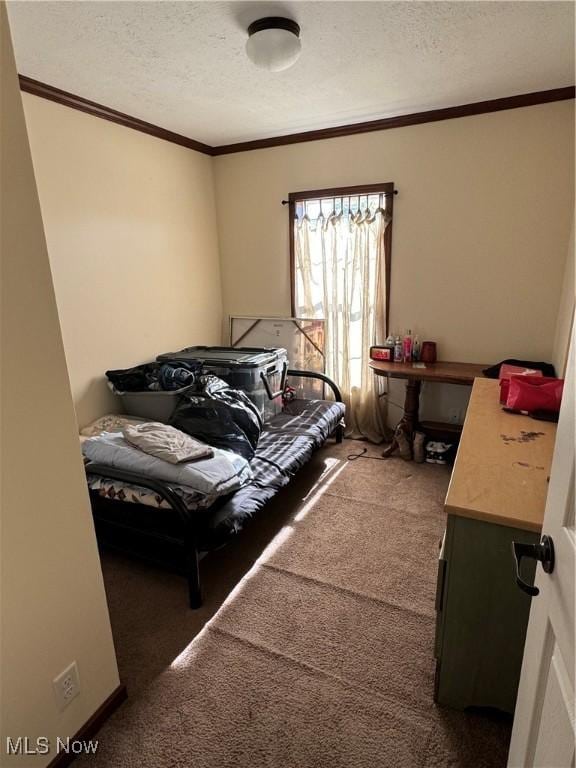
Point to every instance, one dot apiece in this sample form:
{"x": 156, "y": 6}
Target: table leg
{"x": 411, "y": 407}
{"x": 409, "y": 422}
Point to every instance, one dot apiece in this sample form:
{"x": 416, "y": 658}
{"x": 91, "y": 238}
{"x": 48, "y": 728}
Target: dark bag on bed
{"x": 155, "y": 376}
{"x": 220, "y": 416}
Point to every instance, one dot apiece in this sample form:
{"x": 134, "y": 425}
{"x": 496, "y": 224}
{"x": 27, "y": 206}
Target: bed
{"x": 164, "y": 525}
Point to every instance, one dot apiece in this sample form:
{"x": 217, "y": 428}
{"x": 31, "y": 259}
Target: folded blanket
{"x": 112, "y": 422}
{"x": 219, "y": 475}
{"x": 166, "y": 442}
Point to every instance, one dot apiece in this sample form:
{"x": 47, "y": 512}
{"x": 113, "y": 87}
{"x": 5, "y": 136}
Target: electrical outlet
{"x": 67, "y": 685}
{"x": 454, "y": 416}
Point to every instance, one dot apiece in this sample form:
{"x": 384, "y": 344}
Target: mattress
{"x": 136, "y": 494}
{"x": 286, "y": 444}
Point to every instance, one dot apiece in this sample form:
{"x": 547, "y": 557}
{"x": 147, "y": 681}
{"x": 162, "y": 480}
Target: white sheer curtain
{"x": 341, "y": 277}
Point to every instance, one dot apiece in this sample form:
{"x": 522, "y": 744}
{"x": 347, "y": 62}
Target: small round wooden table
{"x": 415, "y": 374}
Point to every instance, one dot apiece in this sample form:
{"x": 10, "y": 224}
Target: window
{"x": 340, "y": 259}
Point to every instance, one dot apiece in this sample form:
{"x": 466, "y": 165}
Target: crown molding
{"x": 400, "y": 121}
{"x": 51, "y": 93}
{"x": 73, "y": 101}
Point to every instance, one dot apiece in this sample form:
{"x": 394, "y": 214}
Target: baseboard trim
{"x": 92, "y": 725}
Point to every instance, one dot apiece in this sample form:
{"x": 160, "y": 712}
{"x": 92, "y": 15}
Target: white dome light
{"x": 273, "y": 43}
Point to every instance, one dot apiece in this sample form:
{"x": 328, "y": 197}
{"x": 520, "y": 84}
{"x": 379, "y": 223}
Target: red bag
{"x": 506, "y": 371}
{"x": 534, "y": 393}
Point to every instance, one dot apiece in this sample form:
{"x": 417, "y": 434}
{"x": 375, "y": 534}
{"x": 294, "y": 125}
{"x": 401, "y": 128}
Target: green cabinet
{"x": 482, "y": 615}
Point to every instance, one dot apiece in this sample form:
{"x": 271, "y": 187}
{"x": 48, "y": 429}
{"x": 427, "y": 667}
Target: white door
{"x": 543, "y": 735}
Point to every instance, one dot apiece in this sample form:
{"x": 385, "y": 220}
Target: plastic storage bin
{"x": 242, "y": 368}
{"x": 154, "y": 405}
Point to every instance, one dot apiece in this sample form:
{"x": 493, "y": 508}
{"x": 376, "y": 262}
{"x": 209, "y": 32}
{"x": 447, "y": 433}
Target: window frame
{"x": 387, "y": 189}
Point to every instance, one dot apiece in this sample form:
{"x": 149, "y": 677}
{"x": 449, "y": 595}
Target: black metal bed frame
{"x": 176, "y": 503}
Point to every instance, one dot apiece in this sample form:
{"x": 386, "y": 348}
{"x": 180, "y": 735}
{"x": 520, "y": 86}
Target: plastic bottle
{"x": 407, "y": 347}
{"x": 398, "y": 350}
{"x": 389, "y": 344}
{"x": 416, "y": 349}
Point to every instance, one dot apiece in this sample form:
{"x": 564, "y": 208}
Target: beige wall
{"x": 566, "y": 311}
{"x": 481, "y": 226}
{"x": 131, "y": 231}
{"x": 480, "y": 235}
{"x": 53, "y": 606}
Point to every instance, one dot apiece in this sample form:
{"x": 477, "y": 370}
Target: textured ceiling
{"x": 182, "y": 66}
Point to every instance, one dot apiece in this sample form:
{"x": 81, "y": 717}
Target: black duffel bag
{"x": 220, "y": 416}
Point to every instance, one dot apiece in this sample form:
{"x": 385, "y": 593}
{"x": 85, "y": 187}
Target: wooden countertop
{"x": 442, "y": 372}
{"x": 503, "y": 463}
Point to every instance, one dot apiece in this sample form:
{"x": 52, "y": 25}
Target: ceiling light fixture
{"x": 273, "y": 43}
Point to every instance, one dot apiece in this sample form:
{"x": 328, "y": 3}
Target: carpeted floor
{"x": 322, "y": 655}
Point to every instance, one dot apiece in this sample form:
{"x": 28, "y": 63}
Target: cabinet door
{"x": 484, "y": 616}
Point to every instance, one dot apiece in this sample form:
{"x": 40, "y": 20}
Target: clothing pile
{"x": 155, "y": 376}
{"x": 204, "y": 451}
{"x": 215, "y": 413}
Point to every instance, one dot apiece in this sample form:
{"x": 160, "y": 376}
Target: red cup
{"x": 428, "y": 352}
